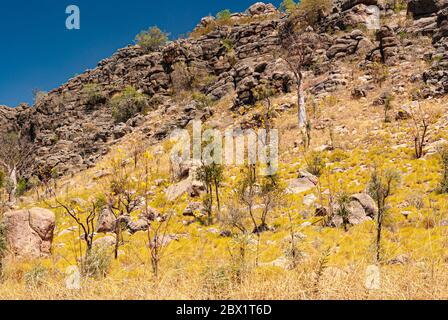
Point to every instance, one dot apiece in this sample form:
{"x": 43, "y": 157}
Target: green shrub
{"x": 288, "y": 6}
{"x": 97, "y": 262}
{"x": 127, "y": 104}
{"x": 94, "y": 95}
{"x": 312, "y": 11}
{"x": 224, "y": 16}
{"x": 152, "y": 39}
{"x": 36, "y": 276}
{"x": 203, "y": 101}
{"x": 22, "y": 186}
{"x": 315, "y": 163}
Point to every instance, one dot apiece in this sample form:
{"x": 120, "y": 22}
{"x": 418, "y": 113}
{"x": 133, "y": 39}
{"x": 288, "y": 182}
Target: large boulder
{"x": 361, "y": 208}
{"x": 420, "y": 8}
{"x": 29, "y": 232}
{"x": 260, "y": 8}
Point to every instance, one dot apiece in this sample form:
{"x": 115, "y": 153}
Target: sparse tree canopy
{"x": 152, "y": 39}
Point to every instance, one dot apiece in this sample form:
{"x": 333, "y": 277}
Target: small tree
{"x": 342, "y": 210}
{"x": 381, "y": 187}
{"x": 152, "y": 39}
{"x": 271, "y": 194}
{"x": 158, "y": 240}
{"x": 421, "y": 122}
{"x": 211, "y": 176}
{"x": 127, "y": 104}
{"x": 84, "y": 215}
{"x": 122, "y": 199}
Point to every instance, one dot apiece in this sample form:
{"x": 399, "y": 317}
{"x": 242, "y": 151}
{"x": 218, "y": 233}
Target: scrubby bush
{"x": 127, "y": 104}
{"x": 152, "y": 39}
{"x": 312, "y": 11}
{"x": 22, "y": 186}
{"x": 97, "y": 262}
{"x": 315, "y": 163}
{"x": 36, "y": 276}
{"x": 288, "y": 6}
{"x": 203, "y": 101}
{"x": 224, "y": 16}
{"x": 94, "y": 95}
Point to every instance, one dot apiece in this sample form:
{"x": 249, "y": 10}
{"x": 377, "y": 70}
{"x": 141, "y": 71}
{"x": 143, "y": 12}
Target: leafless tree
{"x": 85, "y": 217}
{"x": 421, "y": 123}
{"x": 158, "y": 239}
{"x": 381, "y": 187}
{"x": 122, "y": 199}
{"x": 298, "y": 47}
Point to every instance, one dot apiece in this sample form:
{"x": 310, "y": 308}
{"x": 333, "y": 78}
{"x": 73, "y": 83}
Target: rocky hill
{"x": 367, "y": 197}
{"x": 66, "y": 133}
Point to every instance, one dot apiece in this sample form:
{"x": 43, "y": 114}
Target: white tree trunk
{"x": 302, "y": 116}
{"x": 13, "y": 181}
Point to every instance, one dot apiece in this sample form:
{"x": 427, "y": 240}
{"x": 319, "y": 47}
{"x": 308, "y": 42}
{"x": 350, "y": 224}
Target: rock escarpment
{"x": 65, "y": 132}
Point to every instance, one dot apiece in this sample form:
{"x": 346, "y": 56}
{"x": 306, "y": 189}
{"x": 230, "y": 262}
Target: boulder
{"x": 361, "y": 208}
{"x": 425, "y": 7}
{"x": 106, "y": 221}
{"x": 260, "y": 8}
{"x": 29, "y": 232}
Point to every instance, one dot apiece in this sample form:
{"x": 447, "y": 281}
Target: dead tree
{"x": 85, "y": 217}
{"x": 122, "y": 199}
{"x": 297, "y": 51}
{"x": 158, "y": 239}
{"x": 421, "y": 123}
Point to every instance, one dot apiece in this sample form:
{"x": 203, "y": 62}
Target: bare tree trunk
{"x": 302, "y": 116}
{"x": 13, "y": 181}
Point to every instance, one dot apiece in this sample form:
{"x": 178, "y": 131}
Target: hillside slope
{"x": 362, "y": 90}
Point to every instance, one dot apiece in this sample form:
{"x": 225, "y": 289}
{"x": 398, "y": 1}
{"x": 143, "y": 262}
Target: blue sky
{"x": 37, "y": 52}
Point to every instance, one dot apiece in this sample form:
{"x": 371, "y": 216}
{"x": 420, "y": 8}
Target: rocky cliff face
{"x": 65, "y": 133}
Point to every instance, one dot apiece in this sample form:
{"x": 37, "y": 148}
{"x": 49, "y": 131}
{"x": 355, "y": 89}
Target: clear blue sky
{"x": 38, "y": 52}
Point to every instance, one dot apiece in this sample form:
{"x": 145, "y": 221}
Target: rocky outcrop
{"x": 437, "y": 76}
{"x": 29, "y": 232}
{"x": 420, "y": 8}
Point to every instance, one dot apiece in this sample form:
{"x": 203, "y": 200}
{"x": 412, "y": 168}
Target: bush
{"x": 288, "y": 6}
{"x": 22, "y": 186}
{"x": 203, "y": 101}
{"x": 127, "y": 104}
{"x": 152, "y": 39}
{"x": 315, "y": 164}
{"x": 224, "y": 16}
{"x": 97, "y": 262}
{"x": 94, "y": 95}
{"x": 312, "y": 11}
{"x": 36, "y": 276}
